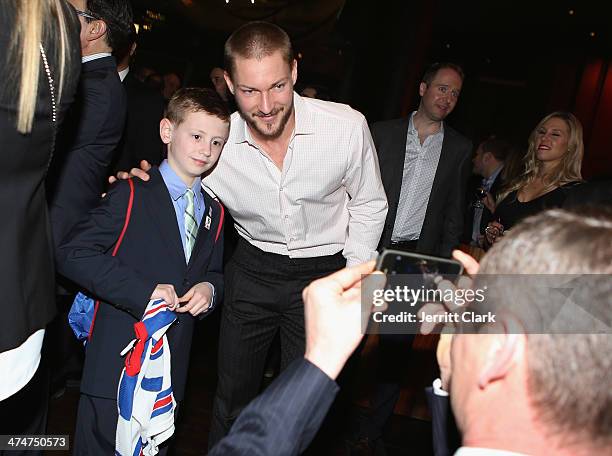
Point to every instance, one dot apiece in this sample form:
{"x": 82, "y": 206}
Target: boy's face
{"x": 195, "y": 144}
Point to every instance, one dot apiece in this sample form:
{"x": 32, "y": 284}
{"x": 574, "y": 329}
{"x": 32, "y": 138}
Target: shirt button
{"x": 286, "y": 217}
{"x": 281, "y": 189}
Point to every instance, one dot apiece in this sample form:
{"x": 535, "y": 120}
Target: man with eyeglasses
{"x": 85, "y": 147}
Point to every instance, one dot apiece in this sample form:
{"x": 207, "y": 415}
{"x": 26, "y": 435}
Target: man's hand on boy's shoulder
{"x": 197, "y": 299}
{"x": 141, "y": 173}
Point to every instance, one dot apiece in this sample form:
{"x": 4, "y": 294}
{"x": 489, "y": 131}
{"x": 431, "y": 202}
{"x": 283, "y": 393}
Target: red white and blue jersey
{"x": 145, "y": 401}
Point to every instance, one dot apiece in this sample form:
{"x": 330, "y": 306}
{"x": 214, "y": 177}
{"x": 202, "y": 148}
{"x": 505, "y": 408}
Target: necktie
{"x": 191, "y": 225}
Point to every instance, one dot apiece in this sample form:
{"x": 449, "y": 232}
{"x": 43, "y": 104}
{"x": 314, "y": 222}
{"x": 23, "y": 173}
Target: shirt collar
{"x": 413, "y": 131}
{"x": 304, "y": 122}
{"x": 176, "y": 187}
{"x": 124, "y": 73}
{"x": 89, "y": 58}
{"x": 492, "y": 177}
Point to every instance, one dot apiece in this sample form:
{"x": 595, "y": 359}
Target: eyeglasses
{"x": 86, "y": 15}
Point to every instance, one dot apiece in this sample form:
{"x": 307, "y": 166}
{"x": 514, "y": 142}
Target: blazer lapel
{"x": 444, "y": 162}
{"x": 160, "y": 205}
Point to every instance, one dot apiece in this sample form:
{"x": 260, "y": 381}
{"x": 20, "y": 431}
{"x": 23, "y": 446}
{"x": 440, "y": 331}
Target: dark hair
{"x": 256, "y": 40}
{"x": 432, "y": 70}
{"x": 121, "y": 52}
{"x": 195, "y": 99}
{"x": 118, "y": 17}
{"x": 499, "y": 148}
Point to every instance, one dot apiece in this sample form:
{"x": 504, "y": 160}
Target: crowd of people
{"x": 314, "y": 193}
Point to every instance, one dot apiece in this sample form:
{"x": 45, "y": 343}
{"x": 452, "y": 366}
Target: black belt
{"x": 407, "y": 246}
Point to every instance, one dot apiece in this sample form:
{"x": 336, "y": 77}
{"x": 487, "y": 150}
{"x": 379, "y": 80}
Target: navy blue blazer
{"x": 86, "y": 145}
{"x": 151, "y": 253}
{"x": 284, "y": 419}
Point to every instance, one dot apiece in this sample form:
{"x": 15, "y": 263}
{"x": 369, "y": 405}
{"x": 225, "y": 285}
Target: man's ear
{"x": 95, "y": 30}
{"x": 228, "y": 81}
{"x": 294, "y": 72}
{"x": 166, "y": 129}
{"x": 504, "y": 351}
{"x": 422, "y": 88}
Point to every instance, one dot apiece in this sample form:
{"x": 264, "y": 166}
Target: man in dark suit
{"x": 424, "y": 165}
{"x": 519, "y": 389}
{"x": 95, "y": 124}
{"x": 488, "y": 163}
{"x": 145, "y": 108}
{"x": 85, "y": 148}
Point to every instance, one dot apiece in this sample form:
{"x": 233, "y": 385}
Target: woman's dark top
{"x": 510, "y": 210}
{"x": 26, "y": 263}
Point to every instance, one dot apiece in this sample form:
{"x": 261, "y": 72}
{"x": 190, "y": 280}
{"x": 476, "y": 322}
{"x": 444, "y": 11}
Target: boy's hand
{"x": 167, "y": 293}
{"x": 198, "y": 299}
{"x": 141, "y": 173}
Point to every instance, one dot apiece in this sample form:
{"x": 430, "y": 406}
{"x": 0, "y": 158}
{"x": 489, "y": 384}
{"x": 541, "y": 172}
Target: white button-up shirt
{"x": 328, "y": 196}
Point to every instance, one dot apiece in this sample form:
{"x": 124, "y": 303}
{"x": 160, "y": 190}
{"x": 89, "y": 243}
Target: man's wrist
{"x": 326, "y": 363}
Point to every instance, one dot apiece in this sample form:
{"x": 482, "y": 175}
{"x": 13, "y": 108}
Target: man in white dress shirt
{"x": 301, "y": 179}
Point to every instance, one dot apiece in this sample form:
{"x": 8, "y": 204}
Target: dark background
{"x": 522, "y": 59}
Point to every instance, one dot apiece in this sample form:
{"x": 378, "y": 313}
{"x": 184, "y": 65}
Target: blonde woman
{"x": 552, "y": 165}
{"x": 39, "y": 66}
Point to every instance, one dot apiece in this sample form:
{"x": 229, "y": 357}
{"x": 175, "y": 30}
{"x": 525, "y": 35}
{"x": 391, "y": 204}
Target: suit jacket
{"x": 487, "y": 215}
{"x": 284, "y": 419}
{"x": 443, "y": 224}
{"x": 444, "y": 431}
{"x": 26, "y": 264}
{"x": 140, "y": 140}
{"x": 87, "y": 144}
{"x": 151, "y": 253}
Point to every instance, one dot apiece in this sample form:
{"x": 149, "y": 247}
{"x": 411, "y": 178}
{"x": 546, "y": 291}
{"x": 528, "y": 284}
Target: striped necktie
{"x": 191, "y": 224}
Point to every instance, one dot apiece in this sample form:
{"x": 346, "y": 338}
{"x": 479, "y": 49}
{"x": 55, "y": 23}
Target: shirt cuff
{"x": 437, "y": 388}
{"x": 212, "y": 298}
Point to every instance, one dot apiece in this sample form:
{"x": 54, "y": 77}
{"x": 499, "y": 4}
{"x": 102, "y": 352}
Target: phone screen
{"x": 393, "y": 262}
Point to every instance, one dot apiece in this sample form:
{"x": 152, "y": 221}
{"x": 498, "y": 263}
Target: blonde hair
{"x": 568, "y": 169}
{"x": 36, "y": 21}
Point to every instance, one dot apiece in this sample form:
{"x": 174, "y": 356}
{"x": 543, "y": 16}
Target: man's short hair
{"x": 256, "y": 40}
{"x": 499, "y": 148}
{"x": 432, "y": 70}
{"x": 118, "y": 16}
{"x": 195, "y": 99}
{"x": 566, "y": 372}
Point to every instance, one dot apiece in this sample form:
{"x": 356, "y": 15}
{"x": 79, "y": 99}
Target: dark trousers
{"x": 25, "y": 412}
{"x": 96, "y": 427}
{"x": 393, "y": 360}
{"x": 263, "y": 297}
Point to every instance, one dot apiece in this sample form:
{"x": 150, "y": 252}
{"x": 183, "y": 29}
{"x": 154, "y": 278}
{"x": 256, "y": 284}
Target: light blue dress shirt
{"x": 177, "y": 189}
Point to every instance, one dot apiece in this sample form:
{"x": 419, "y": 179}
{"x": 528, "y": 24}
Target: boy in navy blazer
{"x": 172, "y": 249}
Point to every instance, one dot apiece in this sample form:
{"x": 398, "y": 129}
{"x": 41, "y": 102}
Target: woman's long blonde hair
{"x": 569, "y": 167}
{"x": 37, "y": 21}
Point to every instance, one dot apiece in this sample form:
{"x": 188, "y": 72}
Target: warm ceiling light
{"x": 571, "y": 12}
{"x": 592, "y": 34}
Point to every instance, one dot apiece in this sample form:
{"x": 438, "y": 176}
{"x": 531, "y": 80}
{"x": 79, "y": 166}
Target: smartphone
{"x": 394, "y": 262}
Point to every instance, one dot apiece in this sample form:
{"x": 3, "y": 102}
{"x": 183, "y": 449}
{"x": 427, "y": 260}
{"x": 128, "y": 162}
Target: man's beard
{"x": 269, "y": 134}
